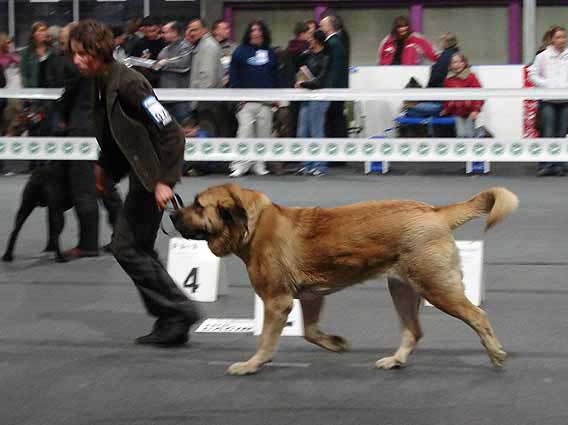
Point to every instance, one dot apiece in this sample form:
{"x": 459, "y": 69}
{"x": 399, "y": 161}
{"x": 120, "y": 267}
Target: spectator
{"x": 550, "y": 70}
{"x": 132, "y": 35}
{"x": 59, "y": 60}
{"x": 337, "y": 77}
{"x": 206, "y": 69}
{"x": 299, "y": 44}
{"x": 3, "y": 104}
{"x": 53, "y": 36}
{"x": 313, "y": 71}
{"x": 405, "y": 47}
{"x": 119, "y": 37}
{"x": 296, "y": 47}
{"x": 33, "y": 70}
{"x": 342, "y": 33}
{"x": 438, "y": 74}
{"x": 465, "y": 111}
{"x": 206, "y": 73}
{"x": 311, "y": 26}
{"x": 254, "y": 66}
{"x": 7, "y": 59}
{"x": 34, "y": 57}
{"x": 174, "y": 64}
{"x": 439, "y": 70}
{"x": 221, "y": 32}
{"x": 7, "y": 55}
{"x": 149, "y": 46}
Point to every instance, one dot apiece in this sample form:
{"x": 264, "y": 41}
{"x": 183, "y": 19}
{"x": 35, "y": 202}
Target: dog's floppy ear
{"x": 232, "y": 212}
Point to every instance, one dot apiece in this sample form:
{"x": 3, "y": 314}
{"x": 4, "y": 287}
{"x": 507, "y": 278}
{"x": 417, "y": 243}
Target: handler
{"x": 138, "y": 138}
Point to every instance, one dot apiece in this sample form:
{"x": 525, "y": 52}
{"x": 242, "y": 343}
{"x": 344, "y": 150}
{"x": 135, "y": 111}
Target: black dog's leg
{"x": 31, "y": 198}
{"x": 56, "y": 216}
{"x": 26, "y": 208}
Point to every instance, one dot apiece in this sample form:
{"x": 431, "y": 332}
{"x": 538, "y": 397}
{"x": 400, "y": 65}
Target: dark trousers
{"x": 335, "y": 122}
{"x": 80, "y": 177}
{"x": 133, "y": 247}
{"x": 111, "y": 200}
{"x": 554, "y": 123}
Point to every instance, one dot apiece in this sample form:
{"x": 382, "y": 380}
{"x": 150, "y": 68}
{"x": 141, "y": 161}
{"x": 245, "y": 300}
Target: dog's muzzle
{"x": 186, "y": 231}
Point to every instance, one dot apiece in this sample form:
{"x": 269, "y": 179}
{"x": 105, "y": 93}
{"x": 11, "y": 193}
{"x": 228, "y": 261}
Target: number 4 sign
{"x": 196, "y": 270}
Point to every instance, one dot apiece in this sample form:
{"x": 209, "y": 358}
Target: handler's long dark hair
{"x": 266, "y": 37}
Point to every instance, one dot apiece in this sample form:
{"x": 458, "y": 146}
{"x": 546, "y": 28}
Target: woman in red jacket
{"x": 404, "y": 47}
{"x": 465, "y": 111}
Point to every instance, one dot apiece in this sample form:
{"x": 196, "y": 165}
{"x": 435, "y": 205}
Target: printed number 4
{"x": 191, "y": 280}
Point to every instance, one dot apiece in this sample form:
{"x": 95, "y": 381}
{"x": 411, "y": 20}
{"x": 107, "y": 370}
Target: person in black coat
{"x": 139, "y": 139}
{"x": 438, "y": 74}
{"x": 439, "y": 70}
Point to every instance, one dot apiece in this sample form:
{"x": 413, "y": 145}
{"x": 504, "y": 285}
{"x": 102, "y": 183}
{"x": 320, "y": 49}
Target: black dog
{"x": 46, "y": 187}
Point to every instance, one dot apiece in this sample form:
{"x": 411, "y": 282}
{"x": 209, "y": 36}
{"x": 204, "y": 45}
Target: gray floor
{"x": 66, "y": 330}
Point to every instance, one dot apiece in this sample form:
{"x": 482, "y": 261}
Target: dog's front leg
{"x": 24, "y": 212}
{"x": 276, "y": 310}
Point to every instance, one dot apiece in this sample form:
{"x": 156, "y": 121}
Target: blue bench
{"x": 383, "y": 166}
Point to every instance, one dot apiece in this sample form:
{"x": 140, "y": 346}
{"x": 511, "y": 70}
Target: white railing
{"x": 364, "y": 150}
{"x": 213, "y": 149}
{"x": 270, "y": 95}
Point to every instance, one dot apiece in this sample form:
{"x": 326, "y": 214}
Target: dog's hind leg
{"x": 456, "y": 304}
{"x": 407, "y": 303}
{"x": 311, "y": 308}
{"x": 23, "y": 213}
{"x": 276, "y": 310}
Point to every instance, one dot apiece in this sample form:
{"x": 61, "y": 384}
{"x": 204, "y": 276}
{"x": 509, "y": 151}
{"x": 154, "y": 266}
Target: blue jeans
{"x": 311, "y": 123}
{"x": 554, "y": 123}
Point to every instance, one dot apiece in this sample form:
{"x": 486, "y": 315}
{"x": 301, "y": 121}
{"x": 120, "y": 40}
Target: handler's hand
{"x": 99, "y": 179}
{"x": 163, "y": 194}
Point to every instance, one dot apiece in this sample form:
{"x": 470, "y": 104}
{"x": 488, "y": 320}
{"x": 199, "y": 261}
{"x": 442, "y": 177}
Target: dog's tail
{"x": 498, "y": 202}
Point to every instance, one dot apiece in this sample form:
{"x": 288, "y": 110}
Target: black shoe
{"x": 163, "y": 340}
{"x": 169, "y": 331}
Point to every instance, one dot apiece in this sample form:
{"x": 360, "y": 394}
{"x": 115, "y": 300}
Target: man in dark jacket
{"x": 149, "y": 47}
{"x": 338, "y": 77}
{"x": 138, "y": 138}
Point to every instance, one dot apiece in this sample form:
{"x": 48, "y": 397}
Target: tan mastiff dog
{"x": 307, "y": 253}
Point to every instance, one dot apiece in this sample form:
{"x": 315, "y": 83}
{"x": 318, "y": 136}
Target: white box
{"x": 471, "y": 254}
{"x": 294, "y": 324}
{"x": 196, "y": 270}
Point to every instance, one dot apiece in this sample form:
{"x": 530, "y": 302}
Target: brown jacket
{"x": 127, "y": 115}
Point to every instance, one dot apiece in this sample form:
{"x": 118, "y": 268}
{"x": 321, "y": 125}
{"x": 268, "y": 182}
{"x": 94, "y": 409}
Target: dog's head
{"x": 221, "y": 215}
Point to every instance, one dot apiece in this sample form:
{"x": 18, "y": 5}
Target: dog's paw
{"x": 8, "y": 258}
{"x": 334, "y": 343}
{"x": 389, "y": 363}
{"x": 242, "y": 368}
{"x": 498, "y": 358}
